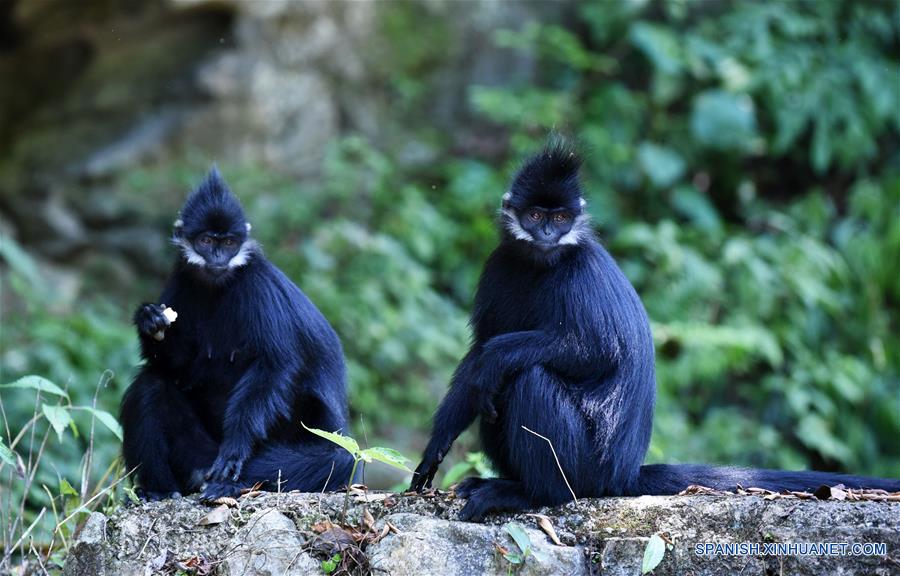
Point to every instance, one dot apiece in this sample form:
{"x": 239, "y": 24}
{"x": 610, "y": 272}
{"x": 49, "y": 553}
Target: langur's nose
{"x": 547, "y": 232}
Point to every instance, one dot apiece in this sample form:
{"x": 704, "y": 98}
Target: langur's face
{"x": 214, "y": 256}
{"x": 545, "y": 228}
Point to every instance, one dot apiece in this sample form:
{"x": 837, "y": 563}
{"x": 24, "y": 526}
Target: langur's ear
{"x": 582, "y": 203}
{"x": 248, "y": 227}
{"x": 179, "y": 224}
{"x": 504, "y": 202}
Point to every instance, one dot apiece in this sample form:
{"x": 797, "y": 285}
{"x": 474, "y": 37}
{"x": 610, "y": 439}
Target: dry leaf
{"x": 697, "y": 490}
{"x": 368, "y": 520}
{"x": 838, "y": 494}
{"x": 322, "y": 526}
{"x": 357, "y": 489}
{"x": 335, "y": 540}
{"x": 365, "y": 497}
{"x": 547, "y": 527}
{"x": 384, "y": 532}
{"x": 226, "y": 500}
{"x": 218, "y": 515}
{"x": 198, "y": 565}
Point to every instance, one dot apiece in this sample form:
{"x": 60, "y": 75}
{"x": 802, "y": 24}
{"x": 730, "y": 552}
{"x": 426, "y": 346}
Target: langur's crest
{"x": 212, "y": 207}
{"x": 548, "y": 179}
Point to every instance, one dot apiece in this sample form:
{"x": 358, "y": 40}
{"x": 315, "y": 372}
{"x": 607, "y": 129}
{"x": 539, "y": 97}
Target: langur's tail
{"x": 667, "y": 479}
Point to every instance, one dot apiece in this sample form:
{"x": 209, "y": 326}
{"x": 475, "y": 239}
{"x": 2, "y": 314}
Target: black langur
{"x": 562, "y": 347}
{"x": 226, "y": 385}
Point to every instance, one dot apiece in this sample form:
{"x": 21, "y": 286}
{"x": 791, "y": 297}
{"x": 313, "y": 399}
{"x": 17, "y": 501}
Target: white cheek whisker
{"x": 248, "y": 248}
{"x": 512, "y": 224}
{"x": 190, "y": 255}
{"x": 580, "y": 228}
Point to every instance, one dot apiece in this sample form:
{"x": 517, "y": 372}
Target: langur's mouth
{"x": 546, "y": 245}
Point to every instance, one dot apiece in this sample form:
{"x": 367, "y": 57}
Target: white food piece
{"x": 171, "y": 316}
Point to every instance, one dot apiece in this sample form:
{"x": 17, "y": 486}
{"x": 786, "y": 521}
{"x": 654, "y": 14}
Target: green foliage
{"x": 523, "y": 543}
{"x": 330, "y": 565}
{"x": 29, "y": 466}
{"x": 387, "y": 456}
{"x": 654, "y": 553}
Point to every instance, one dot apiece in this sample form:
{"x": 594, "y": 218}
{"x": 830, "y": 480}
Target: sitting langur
{"x": 226, "y": 385}
{"x": 562, "y": 346}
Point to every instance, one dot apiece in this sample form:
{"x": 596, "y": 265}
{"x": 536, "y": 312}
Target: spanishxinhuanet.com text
{"x": 791, "y": 549}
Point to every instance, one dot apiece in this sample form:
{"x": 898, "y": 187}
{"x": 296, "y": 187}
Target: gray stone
{"x": 450, "y": 548}
{"x": 88, "y": 553}
{"x": 269, "y": 545}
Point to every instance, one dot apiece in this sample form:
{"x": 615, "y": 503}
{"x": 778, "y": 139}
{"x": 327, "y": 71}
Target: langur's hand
{"x": 426, "y": 470}
{"x": 228, "y": 465}
{"x": 487, "y": 393}
{"x": 152, "y": 320}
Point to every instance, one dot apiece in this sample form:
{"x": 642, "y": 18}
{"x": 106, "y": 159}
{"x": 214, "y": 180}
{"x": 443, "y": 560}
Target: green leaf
{"x": 660, "y": 45}
{"x": 653, "y": 553}
{"x": 132, "y": 495}
{"x": 330, "y": 565}
{"x": 696, "y": 206}
{"x": 662, "y": 165}
{"x": 514, "y": 558}
{"x": 37, "y": 383}
{"x": 724, "y": 121}
{"x": 66, "y": 489}
{"x": 518, "y": 534}
{"x": 7, "y": 455}
{"x": 58, "y": 416}
{"x": 387, "y": 456}
{"x": 107, "y": 420}
{"x": 345, "y": 442}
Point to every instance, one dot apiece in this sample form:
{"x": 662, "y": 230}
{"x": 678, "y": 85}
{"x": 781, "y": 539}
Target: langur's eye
{"x": 229, "y": 242}
{"x": 205, "y": 240}
{"x": 535, "y": 215}
{"x": 561, "y": 218}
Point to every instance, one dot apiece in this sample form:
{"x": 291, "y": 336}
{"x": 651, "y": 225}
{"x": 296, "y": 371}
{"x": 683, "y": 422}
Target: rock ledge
{"x": 414, "y": 535}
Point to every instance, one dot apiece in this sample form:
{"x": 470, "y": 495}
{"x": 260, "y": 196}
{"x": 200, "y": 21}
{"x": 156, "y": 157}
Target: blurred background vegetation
{"x": 743, "y": 166}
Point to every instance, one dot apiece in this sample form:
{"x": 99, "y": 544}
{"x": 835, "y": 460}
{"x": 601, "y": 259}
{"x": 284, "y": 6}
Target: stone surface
{"x": 270, "y": 534}
{"x": 89, "y": 552}
{"x": 428, "y": 545}
{"x": 270, "y": 545}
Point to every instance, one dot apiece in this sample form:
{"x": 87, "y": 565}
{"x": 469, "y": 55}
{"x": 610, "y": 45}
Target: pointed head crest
{"x": 212, "y": 207}
{"x": 548, "y": 179}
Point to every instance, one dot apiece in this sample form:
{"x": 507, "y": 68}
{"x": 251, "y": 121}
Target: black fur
{"x": 223, "y": 394}
{"x": 562, "y": 346}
